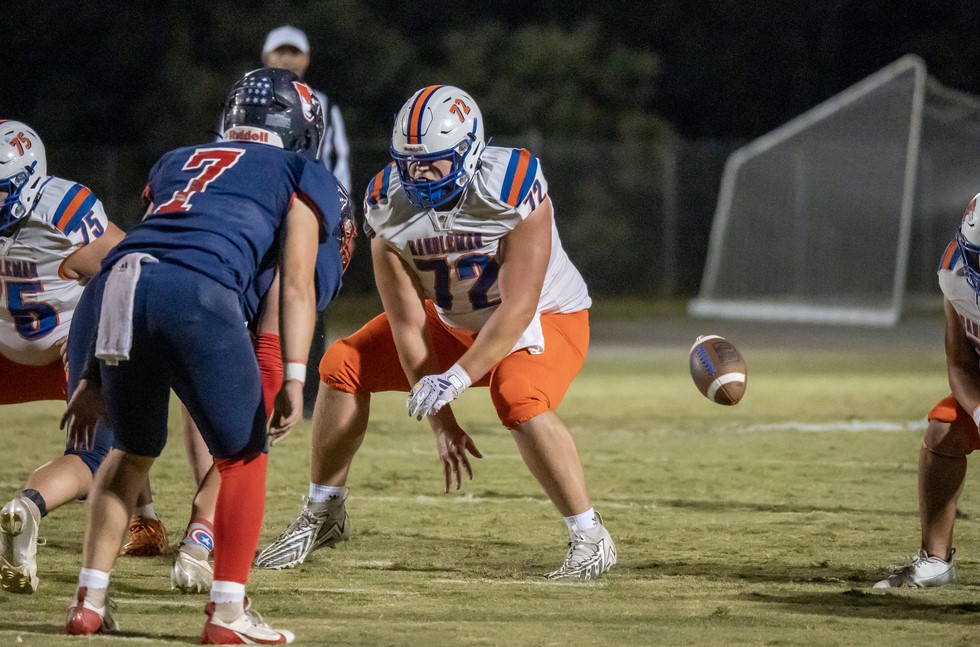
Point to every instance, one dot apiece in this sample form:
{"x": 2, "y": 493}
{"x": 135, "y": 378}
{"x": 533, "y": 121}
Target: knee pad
{"x": 948, "y": 439}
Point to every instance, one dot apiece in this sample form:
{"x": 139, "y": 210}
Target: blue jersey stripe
{"x": 532, "y": 171}
{"x": 65, "y": 201}
{"x": 950, "y": 255}
{"x": 83, "y": 210}
{"x": 509, "y": 176}
{"x": 385, "y": 182}
{"x": 377, "y": 193}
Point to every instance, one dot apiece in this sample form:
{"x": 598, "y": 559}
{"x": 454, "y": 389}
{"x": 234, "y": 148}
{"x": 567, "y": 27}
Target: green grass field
{"x": 764, "y": 523}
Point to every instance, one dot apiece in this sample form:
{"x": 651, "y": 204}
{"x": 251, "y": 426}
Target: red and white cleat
{"x": 246, "y": 629}
{"x": 85, "y": 619}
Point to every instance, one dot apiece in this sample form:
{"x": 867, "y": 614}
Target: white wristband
{"x": 295, "y": 371}
{"x": 458, "y": 377}
{"x": 976, "y": 415}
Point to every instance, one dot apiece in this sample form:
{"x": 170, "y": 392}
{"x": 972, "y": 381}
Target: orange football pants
{"x": 949, "y": 410}
{"x": 522, "y": 385}
{"x": 21, "y": 383}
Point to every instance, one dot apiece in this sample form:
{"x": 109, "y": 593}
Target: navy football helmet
{"x": 272, "y": 106}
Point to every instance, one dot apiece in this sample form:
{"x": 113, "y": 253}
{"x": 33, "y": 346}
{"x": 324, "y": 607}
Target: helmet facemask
{"x": 431, "y": 194}
{"x": 12, "y": 208}
{"x": 971, "y": 261}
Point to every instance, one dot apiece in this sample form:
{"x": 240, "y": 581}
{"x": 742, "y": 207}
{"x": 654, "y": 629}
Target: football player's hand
{"x": 287, "y": 411}
{"x": 84, "y": 410}
{"x": 433, "y": 392}
{"x": 453, "y": 443}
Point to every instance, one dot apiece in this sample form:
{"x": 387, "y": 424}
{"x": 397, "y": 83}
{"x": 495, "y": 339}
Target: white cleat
{"x": 18, "y": 546}
{"x": 319, "y": 525}
{"x": 591, "y": 553}
{"x": 192, "y": 571}
{"x": 924, "y": 571}
{"x": 246, "y": 629}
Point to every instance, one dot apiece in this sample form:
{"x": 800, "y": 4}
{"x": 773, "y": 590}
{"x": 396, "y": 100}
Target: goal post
{"x": 840, "y": 215}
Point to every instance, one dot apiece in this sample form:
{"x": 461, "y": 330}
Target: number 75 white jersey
{"x": 36, "y": 300}
{"x": 454, "y": 253}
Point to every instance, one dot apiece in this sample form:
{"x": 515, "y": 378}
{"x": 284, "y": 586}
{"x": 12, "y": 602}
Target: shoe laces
{"x": 307, "y": 519}
{"x": 580, "y": 550}
{"x": 254, "y": 617}
{"x": 140, "y": 524}
{"x": 919, "y": 558}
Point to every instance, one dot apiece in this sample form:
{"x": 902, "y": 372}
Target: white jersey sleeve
{"x": 454, "y": 252}
{"x": 36, "y": 300}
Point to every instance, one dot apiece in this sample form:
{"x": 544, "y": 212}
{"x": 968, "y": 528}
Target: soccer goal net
{"x": 840, "y": 215}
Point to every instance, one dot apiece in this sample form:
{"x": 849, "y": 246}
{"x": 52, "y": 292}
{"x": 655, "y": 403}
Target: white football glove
{"x": 433, "y": 392}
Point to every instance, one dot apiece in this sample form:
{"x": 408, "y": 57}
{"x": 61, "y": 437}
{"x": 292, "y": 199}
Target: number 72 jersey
{"x": 36, "y": 300}
{"x": 454, "y": 252}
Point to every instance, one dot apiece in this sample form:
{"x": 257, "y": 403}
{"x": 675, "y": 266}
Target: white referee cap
{"x": 286, "y": 35}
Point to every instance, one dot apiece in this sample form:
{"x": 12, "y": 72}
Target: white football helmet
{"x": 23, "y": 168}
{"x": 968, "y": 240}
{"x": 438, "y": 122}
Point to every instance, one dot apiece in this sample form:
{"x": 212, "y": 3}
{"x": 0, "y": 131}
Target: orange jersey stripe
{"x": 948, "y": 256}
{"x": 72, "y": 207}
{"x": 414, "y": 121}
{"x": 518, "y": 181}
{"x": 376, "y": 186}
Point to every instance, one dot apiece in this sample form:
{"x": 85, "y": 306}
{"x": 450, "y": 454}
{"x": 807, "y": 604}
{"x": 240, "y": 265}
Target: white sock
{"x": 93, "y": 579}
{"x": 321, "y": 493}
{"x": 223, "y": 591}
{"x": 145, "y": 512}
{"x": 584, "y": 521}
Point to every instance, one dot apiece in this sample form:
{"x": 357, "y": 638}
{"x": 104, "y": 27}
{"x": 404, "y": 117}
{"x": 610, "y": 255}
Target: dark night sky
{"x": 110, "y": 90}
{"x": 729, "y": 68}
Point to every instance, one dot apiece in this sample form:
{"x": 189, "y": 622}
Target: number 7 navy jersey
{"x": 37, "y": 301}
{"x": 219, "y": 209}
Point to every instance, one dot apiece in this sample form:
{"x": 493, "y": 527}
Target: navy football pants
{"x": 189, "y": 334}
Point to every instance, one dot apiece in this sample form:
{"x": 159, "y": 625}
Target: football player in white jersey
{"x": 53, "y": 235}
{"x": 477, "y": 290}
{"x": 952, "y": 430}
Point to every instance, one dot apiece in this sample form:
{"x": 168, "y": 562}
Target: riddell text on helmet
{"x": 248, "y": 135}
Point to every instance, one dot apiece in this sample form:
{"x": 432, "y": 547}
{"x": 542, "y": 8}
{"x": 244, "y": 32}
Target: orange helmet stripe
{"x": 416, "y": 114}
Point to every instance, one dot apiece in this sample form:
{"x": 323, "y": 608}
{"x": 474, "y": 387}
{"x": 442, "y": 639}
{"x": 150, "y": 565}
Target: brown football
{"x": 718, "y": 369}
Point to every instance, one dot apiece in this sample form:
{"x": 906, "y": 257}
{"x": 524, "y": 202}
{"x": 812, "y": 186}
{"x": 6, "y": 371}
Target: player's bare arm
{"x": 401, "y": 297}
{"x": 404, "y": 308}
{"x": 523, "y": 259}
{"x": 962, "y": 366}
{"x": 297, "y": 311}
{"x": 85, "y": 262}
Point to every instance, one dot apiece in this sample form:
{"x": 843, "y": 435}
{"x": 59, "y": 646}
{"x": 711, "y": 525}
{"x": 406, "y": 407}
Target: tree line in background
{"x": 111, "y": 88}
